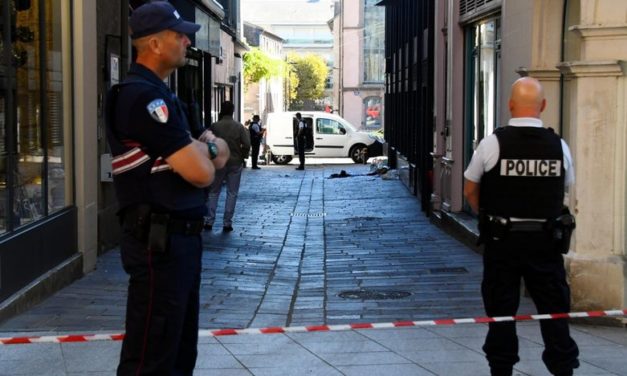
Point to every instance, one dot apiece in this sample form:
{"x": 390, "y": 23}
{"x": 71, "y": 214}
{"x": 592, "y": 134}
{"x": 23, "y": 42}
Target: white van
{"x": 330, "y": 136}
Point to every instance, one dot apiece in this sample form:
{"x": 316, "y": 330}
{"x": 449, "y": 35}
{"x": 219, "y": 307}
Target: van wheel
{"x": 359, "y": 153}
{"x": 281, "y": 159}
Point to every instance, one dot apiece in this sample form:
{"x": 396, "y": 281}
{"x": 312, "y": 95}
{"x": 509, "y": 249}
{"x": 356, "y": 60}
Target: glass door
{"x": 482, "y": 72}
{"x": 482, "y": 62}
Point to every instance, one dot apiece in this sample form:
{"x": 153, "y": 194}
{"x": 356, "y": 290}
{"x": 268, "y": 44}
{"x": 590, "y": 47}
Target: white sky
{"x": 291, "y": 11}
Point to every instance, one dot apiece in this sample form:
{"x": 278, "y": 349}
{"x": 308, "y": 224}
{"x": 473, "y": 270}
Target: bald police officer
{"x": 516, "y": 181}
{"x": 159, "y": 171}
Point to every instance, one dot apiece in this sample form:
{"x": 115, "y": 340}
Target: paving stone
{"x": 276, "y": 269}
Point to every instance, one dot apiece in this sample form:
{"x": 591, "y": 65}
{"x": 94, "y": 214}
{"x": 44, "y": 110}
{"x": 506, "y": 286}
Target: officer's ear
{"x": 155, "y": 45}
{"x": 543, "y": 105}
{"x": 510, "y": 105}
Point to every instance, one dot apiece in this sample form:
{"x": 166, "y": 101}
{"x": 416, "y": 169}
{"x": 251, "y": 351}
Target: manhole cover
{"x": 310, "y": 215}
{"x": 457, "y": 270}
{"x": 373, "y": 295}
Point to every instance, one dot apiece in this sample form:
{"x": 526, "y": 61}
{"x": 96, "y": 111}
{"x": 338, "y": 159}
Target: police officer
{"x": 301, "y": 141}
{"x": 516, "y": 180}
{"x": 159, "y": 172}
{"x": 256, "y": 134}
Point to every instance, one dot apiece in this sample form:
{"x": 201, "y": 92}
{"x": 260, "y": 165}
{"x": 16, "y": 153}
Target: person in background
{"x": 256, "y": 134}
{"x": 238, "y": 139}
{"x": 301, "y": 141}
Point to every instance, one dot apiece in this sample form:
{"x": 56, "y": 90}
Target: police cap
{"x": 157, "y": 16}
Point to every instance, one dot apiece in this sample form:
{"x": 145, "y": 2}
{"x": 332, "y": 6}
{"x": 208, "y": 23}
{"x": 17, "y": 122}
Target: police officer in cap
{"x": 159, "y": 173}
{"x": 516, "y": 182}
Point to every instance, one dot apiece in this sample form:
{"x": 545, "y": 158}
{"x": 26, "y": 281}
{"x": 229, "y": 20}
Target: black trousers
{"x": 254, "y": 153}
{"x": 162, "y": 307}
{"x": 301, "y": 150}
{"x": 532, "y": 257}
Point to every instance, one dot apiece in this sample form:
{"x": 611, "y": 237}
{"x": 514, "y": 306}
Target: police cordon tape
{"x": 321, "y": 328}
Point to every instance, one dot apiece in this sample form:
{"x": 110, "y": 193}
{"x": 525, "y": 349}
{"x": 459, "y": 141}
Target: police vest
{"x": 139, "y": 175}
{"x": 255, "y": 136}
{"x": 528, "y": 179}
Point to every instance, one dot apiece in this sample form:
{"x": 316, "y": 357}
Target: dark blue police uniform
{"x": 162, "y": 220}
{"x": 526, "y": 184}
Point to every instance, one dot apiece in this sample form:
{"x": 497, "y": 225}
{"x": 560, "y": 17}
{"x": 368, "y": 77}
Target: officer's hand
{"x": 207, "y": 136}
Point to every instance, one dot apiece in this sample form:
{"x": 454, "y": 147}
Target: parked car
{"x": 330, "y": 136}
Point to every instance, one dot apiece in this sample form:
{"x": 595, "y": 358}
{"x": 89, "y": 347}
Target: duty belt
{"x": 138, "y": 220}
{"x": 185, "y": 226}
{"x": 527, "y": 226}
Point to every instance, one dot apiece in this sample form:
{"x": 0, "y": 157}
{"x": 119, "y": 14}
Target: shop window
{"x": 35, "y": 179}
{"x": 482, "y": 68}
{"x": 374, "y": 42}
{"x": 373, "y": 112}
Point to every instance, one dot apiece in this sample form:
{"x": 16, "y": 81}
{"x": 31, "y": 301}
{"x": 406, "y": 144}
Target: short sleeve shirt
{"x": 486, "y": 155}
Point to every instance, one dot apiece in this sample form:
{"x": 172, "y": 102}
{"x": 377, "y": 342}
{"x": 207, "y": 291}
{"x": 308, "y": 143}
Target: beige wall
{"x": 351, "y": 11}
{"x": 85, "y": 118}
{"x": 596, "y": 109}
{"x": 221, "y": 72}
{"x": 351, "y": 88}
{"x": 352, "y": 109}
{"x": 352, "y": 58}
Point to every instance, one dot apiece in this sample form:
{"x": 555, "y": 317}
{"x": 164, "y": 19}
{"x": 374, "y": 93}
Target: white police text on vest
{"x": 531, "y": 167}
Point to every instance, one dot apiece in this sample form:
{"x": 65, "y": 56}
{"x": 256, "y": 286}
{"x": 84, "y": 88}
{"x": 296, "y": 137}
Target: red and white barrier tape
{"x": 321, "y": 328}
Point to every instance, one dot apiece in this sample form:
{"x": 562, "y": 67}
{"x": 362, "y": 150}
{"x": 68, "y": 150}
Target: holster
{"x": 492, "y": 227}
{"x": 561, "y": 230}
{"x": 146, "y": 226}
{"x": 135, "y": 220}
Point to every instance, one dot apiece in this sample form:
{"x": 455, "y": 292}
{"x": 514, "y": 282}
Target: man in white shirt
{"x": 516, "y": 181}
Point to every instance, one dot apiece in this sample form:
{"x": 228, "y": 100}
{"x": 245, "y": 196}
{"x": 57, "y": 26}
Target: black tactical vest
{"x": 528, "y": 179}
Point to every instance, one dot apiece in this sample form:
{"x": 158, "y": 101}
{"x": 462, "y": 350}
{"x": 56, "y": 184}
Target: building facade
{"x": 303, "y": 26}
{"x": 359, "y": 54}
{"x": 577, "y": 49}
{"x": 57, "y": 205}
{"x": 267, "y": 95}
{"x": 409, "y": 78}
{"x": 47, "y": 149}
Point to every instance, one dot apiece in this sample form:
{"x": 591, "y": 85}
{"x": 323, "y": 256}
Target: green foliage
{"x": 258, "y": 65}
{"x": 291, "y": 77}
{"x": 312, "y": 73}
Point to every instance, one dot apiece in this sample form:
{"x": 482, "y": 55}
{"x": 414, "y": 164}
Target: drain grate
{"x": 373, "y": 295}
{"x": 310, "y": 215}
{"x": 455, "y": 270}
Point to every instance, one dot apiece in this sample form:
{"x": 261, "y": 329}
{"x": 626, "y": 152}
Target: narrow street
{"x": 301, "y": 242}
{"x": 309, "y": 250}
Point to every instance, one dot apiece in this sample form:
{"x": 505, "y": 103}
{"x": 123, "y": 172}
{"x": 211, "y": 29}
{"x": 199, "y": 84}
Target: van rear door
{"x": 331, "y": 138}
{"x": 309, "y": 135}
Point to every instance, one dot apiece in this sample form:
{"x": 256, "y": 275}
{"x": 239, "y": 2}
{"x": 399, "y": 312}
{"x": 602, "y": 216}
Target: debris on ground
{"x": 378, "y": 167}
{"x": 342, "y": 174}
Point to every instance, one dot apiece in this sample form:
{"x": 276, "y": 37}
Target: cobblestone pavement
{"x": 301, "y": 239}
